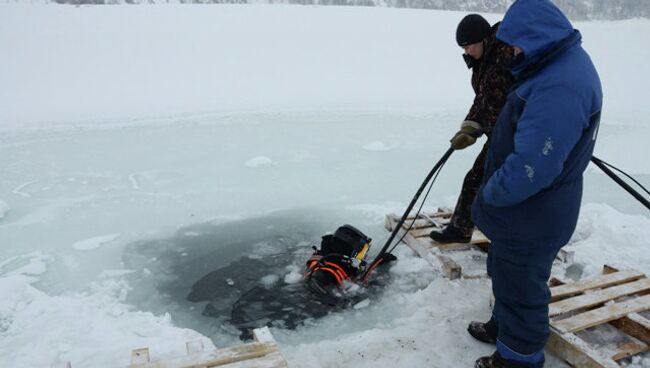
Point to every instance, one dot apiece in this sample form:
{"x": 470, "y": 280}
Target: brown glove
{"x": 467, "y": 135}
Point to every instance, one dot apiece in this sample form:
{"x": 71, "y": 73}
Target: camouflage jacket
{"x": 491, "y": 80}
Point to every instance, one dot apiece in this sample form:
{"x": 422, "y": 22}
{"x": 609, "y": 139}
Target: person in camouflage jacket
{"x": 489, "y": 59}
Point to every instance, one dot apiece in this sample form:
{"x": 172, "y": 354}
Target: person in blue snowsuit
{"x": 530, "y": 198}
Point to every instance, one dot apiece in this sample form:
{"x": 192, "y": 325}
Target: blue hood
{"x": 535, "y": 26}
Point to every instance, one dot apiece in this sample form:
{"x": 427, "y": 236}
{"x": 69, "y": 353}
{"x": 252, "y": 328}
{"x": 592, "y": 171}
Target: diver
{"x": 335, "y": 278}
{"x": 341, "y": 258}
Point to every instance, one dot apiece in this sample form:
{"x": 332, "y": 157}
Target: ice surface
{"x": 362, "y": 304}
{"x": 379, "y": 146}
{"x": 147, "y": 134}
{"x": 38, "y": 329}
{"x": 599, "y": 228}
{"x": 259, "y": 161}
{"x": 4, "y": 207}
{"x": 95, "y": 242}
{"x": 269, "y": 280}
{"x": 293, "y": 277}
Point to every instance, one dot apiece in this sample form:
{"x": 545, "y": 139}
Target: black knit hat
{"x": 472, "y": 29}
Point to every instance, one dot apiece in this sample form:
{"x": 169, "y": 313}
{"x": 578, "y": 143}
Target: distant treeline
{"x": 575, "y": 9}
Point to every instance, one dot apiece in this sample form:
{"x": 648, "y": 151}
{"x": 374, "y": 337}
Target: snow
{"x": 126, "y": 131}
{"x": 259, "y": 161}
{"x": 211, "y": 59}
{"x": 599, "y": 228}
{"x": 292, "y": 277}
{"x": 269, "y": 280}
{"x": 77, "y": 323}
{"x": 362, "y": 304}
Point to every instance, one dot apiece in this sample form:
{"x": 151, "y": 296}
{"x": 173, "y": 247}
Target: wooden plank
{"x": 577, "y": 352}
{"x": 273, "y": 360}
{"x": 216, "y": 358}
{"x": 479, "y": 243}
{"x": 442, "y": 213}
{"x": 419, "y": 248}
{"x": 450, "y": 268}
{"x": 625, "y": 349}
{"x": 565, "y": 256}
{"x": 263, "y": 335}
{"x": 194, "y": 347}
{"x": 238, "y": 354}
{"x": 263, "y": 353}
{"x": 140, "y": 356}
{"x": 598, "y": 297}
{"x": 451, "y": 247}
{"x": 422, "y": 231}
{"x": 562, "y": 291}
{"x": 391, "y": 222}
{"x": 484, "y": 246}
{"x": 602, "y": 315}
{"x": 421, "y": 224}
{"x": 634, "y": 325}
{"x": 477, "y": 238}
{"x": 418, "y": 240}
{"x": 437, "y": 218}
{"x": 556, "y": 281}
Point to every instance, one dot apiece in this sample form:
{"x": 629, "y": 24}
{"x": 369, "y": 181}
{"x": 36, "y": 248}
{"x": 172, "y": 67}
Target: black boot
{"x": 497, "y": 361}
{"x": 485, "y": 332}
{"x": 493, "y": 361}
{"x": 450, "y": 234}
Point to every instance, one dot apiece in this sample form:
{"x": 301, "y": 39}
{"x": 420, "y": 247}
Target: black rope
{"x": 624, "y": 173}
{"x": 605, "y": 167}
{"x": 433, "y": 175}
{"x": 419, "y": 210}
{"x": 433, "y": 172}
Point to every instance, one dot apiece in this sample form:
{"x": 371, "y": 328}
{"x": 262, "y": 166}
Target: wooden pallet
{"x": 263, "y": 353}
{"x": 598, "y": 321}
{"x": 438, "y": 255}
{"x": 448, "y": 257}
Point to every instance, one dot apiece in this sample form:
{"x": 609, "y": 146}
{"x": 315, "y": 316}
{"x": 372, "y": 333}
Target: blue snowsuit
{"x": 529, "y": 202}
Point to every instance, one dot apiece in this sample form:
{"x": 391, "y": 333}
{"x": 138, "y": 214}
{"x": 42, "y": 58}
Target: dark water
{"x": 237, "y": 293}
{"x": 225, "y": 279}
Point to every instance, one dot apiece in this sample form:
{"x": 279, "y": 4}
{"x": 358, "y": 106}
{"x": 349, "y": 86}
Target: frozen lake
{"x": 133, "y": 167}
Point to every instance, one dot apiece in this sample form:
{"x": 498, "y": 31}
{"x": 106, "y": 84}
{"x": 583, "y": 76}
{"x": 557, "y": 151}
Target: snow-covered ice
{"x": 259, "y": 161}
{"x": 94, "y": 242}
{"x": 293, "y": 277}
{"x": 379, "y": 146}
{"x": 4, "y": 207}
{"x": 269, "y": 280}
{"x": 127, "y": 138}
